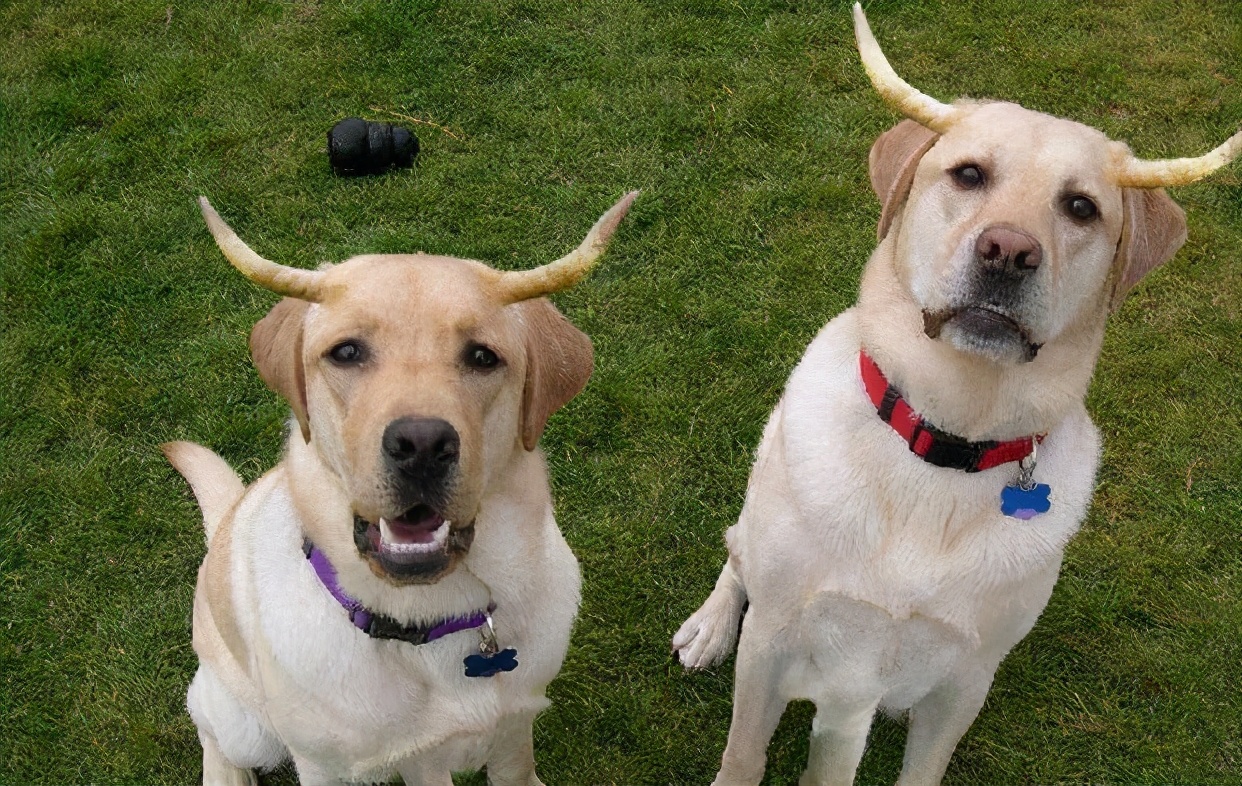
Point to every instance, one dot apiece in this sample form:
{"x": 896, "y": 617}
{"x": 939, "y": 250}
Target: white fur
{"x": 876, "y": 580}
{"x": 348, "y": 707}
{"x": 283, "y": 669}
{"x": 889, "y": 582}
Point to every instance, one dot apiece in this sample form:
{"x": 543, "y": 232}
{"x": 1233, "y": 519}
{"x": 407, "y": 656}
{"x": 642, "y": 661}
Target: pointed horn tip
{"x": 1139, "y": 173}
{"x": 1233, "y": 146}
{"x": 629, "y": 198}
{"x": 223, "y": 234}
{"x": 603, "y": 230}
{"x": 205, "y": 207}
{"x": 895, "y": 91}
{"x": 860, "y": 19}
{"x": 281, "y": 279}
{"x": 623, "y": 205}
{"x": 567, "y": 271}
{"x": 215, "y": 223}
{"x": 864, "y": 39}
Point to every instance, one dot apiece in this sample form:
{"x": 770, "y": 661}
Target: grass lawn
{"x": 747, "y": 126}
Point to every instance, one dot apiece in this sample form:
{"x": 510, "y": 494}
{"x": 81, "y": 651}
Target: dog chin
{"x": 981, "y": 331}
{"x": 418, "y": 546}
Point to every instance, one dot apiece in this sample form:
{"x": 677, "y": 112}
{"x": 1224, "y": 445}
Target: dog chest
{"x": 838, "y": 504}
{"x": 365, "y": 704}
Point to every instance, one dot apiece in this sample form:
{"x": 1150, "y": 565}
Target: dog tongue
{"x": 415, "y": 526}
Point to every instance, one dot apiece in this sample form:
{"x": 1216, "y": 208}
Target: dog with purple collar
{"x": 931, "y": 456}
{"x": 394, "y": 596}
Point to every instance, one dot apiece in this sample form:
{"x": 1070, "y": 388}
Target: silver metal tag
{"x": 487, "y": 637}
{"x": 1026, "y": 468}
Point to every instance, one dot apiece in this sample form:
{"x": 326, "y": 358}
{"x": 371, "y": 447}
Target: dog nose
{"x": 424, "y": 448}
{"x": 1007, "y": 250}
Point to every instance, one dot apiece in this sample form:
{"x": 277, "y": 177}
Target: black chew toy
{"x": 356, "y": 147}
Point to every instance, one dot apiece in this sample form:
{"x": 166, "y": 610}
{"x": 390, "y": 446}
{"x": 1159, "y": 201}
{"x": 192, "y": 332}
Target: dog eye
{"x": 480, "y": 357}
{"x": 347, "y": 353}
{"x": 1081, "y": 207}
{"x": 968, "y": 176}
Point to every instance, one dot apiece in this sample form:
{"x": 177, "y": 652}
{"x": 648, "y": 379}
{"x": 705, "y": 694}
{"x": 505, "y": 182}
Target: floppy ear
{"x": 894, "y": 158}
{"x": 1153, "y": 229}
{"x": 559, "y": 361}
{"x": 276, "y": 348}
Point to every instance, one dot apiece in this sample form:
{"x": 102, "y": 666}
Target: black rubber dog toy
{"x": 356, "y": 147}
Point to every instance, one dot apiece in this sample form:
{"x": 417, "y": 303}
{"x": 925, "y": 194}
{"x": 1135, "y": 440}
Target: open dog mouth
{"x": 986, "y": 327}
{"x": 418, "y": 546}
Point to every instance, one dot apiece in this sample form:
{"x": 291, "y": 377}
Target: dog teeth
{"x": 438, "y": 538}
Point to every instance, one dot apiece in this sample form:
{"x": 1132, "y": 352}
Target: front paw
{"x": 709, "y": 635}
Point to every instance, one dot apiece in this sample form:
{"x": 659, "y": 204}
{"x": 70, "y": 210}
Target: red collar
{"x": 928, "y": 442}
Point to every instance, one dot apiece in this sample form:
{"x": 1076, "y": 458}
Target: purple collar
{"x": 378, "y": 626}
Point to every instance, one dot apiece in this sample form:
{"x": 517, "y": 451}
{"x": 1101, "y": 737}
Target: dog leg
{"x": 757, "y": 708}
{"x": 219, "y": 771}
{"x": 838, "y": 737}
{"x": 512, "y": 758}
{"x": 708, "y": 636}
{"x": 225, "y": 725}
{"x": 421, "y": 773}
{"x": 311, "y": 774}
{"x": 937, "y": 722}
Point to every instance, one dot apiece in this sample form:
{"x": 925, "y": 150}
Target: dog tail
{"x": 214, "y": 483}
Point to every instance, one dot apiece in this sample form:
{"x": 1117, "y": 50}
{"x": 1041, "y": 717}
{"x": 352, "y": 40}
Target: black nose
{"x": 1006, "y": 250}
{"x": 423, "y": 449}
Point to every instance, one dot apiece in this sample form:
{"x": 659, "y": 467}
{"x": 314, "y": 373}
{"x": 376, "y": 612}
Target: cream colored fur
{"x": 283, "y": 672}
{"x": 875, "y": 579}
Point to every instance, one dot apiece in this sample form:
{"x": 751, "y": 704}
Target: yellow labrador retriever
{"x": 931, "y": 456}
{"x": 394, "y": 596}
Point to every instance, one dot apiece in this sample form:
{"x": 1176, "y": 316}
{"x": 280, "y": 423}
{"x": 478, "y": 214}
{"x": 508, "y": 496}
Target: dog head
{"x": 1010, "y": 226}
{"x": 414, "y": 380}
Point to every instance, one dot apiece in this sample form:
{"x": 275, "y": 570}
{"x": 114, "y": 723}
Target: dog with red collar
{"x": 916, "y": 485}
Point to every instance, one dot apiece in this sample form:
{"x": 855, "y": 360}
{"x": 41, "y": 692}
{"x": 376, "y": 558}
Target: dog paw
{"x": 709, "y": 635}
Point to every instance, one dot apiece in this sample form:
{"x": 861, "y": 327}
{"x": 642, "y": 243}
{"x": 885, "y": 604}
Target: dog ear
{"x": 559, "y": 361}
{"x": 894, "y": 158}
{"x": 276, "y": 348}
{"x": 1153, "y": 229}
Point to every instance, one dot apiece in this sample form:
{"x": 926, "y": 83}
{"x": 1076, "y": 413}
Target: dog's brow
{"x": 1072, "y": 187}
{"x": 984, "y": 162}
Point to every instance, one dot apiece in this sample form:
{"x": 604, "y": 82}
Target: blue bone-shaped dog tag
{"x": 1024, "y": 504}
{"x": 486, "y": 665}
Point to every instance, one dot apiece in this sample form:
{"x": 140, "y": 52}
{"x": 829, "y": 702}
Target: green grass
{"x": 747, "y": 126}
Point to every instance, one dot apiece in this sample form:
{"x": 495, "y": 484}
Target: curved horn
{"x": 568, "y": 270}
{"x": 898, "y": 94}
{"x": 291, "y": 281}
{"x": 1137, "y": 173}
